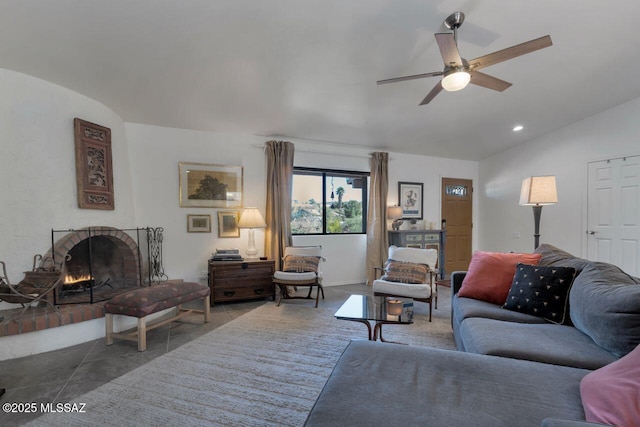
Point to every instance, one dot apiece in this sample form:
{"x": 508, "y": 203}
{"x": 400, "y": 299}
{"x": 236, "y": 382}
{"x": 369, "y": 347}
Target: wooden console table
{"x": 241, "y": 280}
{"x": 423, "y": 239}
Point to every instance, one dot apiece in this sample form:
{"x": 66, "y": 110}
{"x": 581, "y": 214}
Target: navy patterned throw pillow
{"x": 541, "y": 291}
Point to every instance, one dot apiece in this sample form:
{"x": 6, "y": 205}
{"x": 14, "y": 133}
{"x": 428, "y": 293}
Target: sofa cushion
{"x": 541, "y": 291}
{"x": 405, "y": 272}
{"x": 491, "y": 273}
{"x": 468, "y": 307}
{"x": 546, "y": 343}
{"x": 377, "y": 384}
{"x": 605, "y": 304}
{"x": 552, "y": 256}
{"x": 611, "y": 394}
{"x": 300, "y": 263}
{"x": 463, "y": 308}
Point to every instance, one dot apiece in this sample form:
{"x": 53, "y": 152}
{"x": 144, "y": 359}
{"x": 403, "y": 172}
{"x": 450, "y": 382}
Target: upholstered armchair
{"x": 409, "y": 273}
{"x": 301, "y": 267}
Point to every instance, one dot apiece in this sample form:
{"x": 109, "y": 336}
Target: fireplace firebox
{"x": 105, "y": 261}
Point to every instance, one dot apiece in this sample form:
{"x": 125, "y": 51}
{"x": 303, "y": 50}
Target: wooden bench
{"x": 145, "y": 301}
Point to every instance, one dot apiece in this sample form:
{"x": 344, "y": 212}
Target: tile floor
{"x": 62, "y": 375}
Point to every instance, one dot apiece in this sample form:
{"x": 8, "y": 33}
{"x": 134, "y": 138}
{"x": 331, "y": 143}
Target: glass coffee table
{"x": 379, "y": 310}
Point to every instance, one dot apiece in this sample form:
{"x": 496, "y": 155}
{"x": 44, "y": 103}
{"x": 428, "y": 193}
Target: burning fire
{"x": 70, "y": 280}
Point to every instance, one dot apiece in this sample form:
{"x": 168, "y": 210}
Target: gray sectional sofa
{"x": 512, "y": 369}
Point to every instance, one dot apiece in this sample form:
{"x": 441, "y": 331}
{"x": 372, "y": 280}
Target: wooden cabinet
{"x": 240, "y": 280}
{"x": 423, "y": 239}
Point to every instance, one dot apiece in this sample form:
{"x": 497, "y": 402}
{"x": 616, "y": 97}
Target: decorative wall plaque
{"x": 94, "y": 170}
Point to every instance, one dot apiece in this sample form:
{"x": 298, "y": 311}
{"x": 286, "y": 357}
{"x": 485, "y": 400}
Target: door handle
{"x": 591, "y": 232}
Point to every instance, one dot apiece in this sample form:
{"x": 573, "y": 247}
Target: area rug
{"x": 264, "y": 368}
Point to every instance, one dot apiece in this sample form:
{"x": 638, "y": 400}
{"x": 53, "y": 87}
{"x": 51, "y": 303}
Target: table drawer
{"x": 250, "y": 292}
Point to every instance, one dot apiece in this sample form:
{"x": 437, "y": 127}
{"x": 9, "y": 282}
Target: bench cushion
{"x": 144, "y": 301}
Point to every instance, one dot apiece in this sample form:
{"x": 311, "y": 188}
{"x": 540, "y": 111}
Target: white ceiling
{"x": 307, "y": 69}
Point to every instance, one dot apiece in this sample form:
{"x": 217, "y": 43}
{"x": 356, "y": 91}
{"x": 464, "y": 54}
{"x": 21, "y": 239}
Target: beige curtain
{"x": 377, "y": 238}
{"x": 279, "y": 157}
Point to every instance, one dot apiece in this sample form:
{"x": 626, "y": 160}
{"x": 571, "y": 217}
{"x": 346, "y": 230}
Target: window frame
{"x": 323, "y": 173}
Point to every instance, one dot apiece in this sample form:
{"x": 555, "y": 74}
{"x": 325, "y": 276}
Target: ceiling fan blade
{"x": 436, "y": 90}
{"x": 510, "y": 52}
{"x": 448, "y": 50}
{"x": 490, "y": 82}
{"x": 415, "y": 76}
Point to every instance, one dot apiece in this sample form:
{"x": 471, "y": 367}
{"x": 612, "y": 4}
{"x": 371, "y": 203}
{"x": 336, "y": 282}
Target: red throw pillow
{"x": 491, "y": 273}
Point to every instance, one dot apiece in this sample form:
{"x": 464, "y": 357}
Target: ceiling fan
{"x": 458, "y": 72}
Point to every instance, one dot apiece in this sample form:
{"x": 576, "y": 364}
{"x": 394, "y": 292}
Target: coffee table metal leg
{"x": 366, "y": 322}
{"x": 377, "y": 331}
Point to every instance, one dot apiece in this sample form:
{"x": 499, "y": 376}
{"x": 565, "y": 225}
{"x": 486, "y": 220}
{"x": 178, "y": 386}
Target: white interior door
{"x": 613, "y": 213}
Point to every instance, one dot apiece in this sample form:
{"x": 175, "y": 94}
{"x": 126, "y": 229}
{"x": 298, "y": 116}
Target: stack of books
{"x": 226, "y": 255}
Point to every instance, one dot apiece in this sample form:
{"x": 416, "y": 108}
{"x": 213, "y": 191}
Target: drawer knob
{"x": 229, "y": 293}
{"x": 259, "y": 291}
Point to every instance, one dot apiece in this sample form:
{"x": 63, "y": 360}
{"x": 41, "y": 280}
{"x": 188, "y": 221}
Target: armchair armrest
{"x": 378, "y": 272}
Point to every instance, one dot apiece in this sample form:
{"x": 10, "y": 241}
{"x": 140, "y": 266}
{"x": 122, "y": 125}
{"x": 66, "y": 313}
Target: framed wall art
{"x": 228, "y": 224}
{"x": 94, "y": 169}
{"x": 410, "y": 199}
{"x": 205, "y": 185}
{"x": 198, "y": 223}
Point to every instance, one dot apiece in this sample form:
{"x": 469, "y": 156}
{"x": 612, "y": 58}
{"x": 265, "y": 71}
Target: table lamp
{"x": 395, "y": 213}
{"x": 251, "y": 218}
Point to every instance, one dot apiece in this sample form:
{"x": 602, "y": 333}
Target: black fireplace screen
{"x": 106, "y": 261}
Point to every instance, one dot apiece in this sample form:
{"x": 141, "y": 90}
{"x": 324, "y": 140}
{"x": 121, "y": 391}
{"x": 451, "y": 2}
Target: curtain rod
{"x": 360, "y": 156}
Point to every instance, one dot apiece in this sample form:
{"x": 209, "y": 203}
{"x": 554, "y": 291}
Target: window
{"x": 329, "y": 202}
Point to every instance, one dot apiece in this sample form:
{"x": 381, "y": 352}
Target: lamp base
{"x": 395, "y": 225}
{"x": 252, "y": 251}
{"x": 537, "y": 212}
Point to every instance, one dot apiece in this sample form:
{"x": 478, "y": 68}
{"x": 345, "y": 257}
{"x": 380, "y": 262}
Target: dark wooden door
{"x": 457, "y": 196}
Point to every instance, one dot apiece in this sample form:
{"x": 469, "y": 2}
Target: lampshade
{"x": 457, "y": 80}
{"x": 394, "y": 212}
{"x": 539, "y": 190}
{"x": 251, "y": 218}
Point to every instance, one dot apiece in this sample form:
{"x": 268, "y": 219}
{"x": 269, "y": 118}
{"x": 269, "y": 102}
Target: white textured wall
{"x": 155, "y": 154}
{"x": 38, "y": 190}
{"x": 37, "y": 167}
{"x": 564, "y": 153}
{"x": 156, "y": 151}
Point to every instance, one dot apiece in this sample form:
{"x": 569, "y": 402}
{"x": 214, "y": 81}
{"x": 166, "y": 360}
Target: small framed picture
{"x": 228, "y": 224}
{"x": 410, "y": 199}
{"x": 199, "y": 223}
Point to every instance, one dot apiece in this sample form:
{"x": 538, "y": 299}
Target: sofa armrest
{"x": 456, "y": 281}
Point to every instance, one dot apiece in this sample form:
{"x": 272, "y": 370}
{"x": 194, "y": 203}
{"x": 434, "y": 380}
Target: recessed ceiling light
{"x": 518, "y": 128}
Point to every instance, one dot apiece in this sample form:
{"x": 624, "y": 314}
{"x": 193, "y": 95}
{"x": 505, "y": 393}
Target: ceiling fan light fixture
{"x": 456, "y": 80}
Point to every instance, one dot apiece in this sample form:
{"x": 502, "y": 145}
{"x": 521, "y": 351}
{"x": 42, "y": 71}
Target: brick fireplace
{"x": 105, "y": 261}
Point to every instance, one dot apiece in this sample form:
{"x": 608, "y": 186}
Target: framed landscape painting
{"x": 204, "y": 185}
{"x": 410, "y": 199}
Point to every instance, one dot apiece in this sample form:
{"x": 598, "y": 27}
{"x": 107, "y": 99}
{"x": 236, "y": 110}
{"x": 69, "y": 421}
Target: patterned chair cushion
{"x": 300, "y": 263}
{"x": 144, "y": 301}
{"x": 405, "y": 272}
